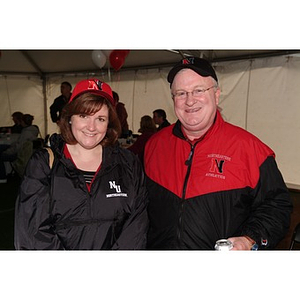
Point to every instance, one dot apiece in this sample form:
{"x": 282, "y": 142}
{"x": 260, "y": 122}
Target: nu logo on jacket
{"x": 116, "y": 190}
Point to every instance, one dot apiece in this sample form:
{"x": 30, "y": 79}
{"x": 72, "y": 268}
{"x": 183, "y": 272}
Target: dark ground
{"x": 9, "y": 191}
{"x": 8, "y": 194}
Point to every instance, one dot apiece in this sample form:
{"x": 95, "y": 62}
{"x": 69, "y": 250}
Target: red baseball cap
{"x": 93, "y": 86}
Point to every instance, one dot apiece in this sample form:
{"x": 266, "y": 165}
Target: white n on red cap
{"x": 93, "y": 86}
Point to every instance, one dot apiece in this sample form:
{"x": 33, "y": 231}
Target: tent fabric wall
{"x": 21, "y": 94}
{"x": 274, "y": 111}
{"x": 233, "y": 80}
{"x": 149, "y": 91}
{"x": 260, "y": 95}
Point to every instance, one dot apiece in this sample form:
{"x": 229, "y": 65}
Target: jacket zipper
{"x": 188, "y": 162}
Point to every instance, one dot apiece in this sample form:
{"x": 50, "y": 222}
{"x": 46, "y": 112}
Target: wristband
{"x": 254, "y": 247}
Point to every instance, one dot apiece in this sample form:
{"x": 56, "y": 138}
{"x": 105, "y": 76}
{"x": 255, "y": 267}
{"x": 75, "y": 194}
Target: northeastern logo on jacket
{"x": 217, "y": 162}
{"x": 117, "y": 190}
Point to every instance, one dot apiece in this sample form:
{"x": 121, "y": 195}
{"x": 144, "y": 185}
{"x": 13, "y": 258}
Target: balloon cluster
{"x": 116, "y": 58}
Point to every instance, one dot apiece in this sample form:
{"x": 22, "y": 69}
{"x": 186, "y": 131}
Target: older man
{"x": 211, "y": 180}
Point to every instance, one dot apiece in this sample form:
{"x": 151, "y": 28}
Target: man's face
{"x": 157, "y": 120}
{"x": 196, "y": 113}
{"x": 65, "y": 90}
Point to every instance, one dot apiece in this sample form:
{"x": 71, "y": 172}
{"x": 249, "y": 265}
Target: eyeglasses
{"x": 197, "y": 93}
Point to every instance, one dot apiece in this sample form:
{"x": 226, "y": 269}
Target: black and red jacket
{"x": 226, "y": 184}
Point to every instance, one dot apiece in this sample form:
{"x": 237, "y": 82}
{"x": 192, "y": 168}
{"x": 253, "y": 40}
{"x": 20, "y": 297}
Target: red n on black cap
{"x": 199, "y": 65}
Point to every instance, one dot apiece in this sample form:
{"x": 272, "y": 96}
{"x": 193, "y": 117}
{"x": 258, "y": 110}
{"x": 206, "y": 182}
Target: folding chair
{"x": 295, "y": 236}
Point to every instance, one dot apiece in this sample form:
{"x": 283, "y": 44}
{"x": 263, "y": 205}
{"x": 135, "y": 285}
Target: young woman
{"x": 93, "y": 197}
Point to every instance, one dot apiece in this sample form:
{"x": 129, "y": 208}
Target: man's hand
{"x": 241, "y": 243}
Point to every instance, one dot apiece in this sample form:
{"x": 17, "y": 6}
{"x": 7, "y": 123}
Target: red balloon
{"x": 126, "y": 52}
{"x": 117, "y": 58}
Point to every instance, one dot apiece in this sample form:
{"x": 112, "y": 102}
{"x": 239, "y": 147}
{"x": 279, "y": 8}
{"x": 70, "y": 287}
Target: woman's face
{"x": 90, "y": 130}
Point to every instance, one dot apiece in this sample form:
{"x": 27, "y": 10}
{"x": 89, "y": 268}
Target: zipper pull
{"x": 189, "y": 160}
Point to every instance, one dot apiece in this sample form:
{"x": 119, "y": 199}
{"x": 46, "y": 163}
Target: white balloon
{"x": 98, "y": 58}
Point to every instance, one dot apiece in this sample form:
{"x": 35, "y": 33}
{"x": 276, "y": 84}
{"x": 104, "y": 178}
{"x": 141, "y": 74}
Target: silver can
{"x": 223, "y": 245}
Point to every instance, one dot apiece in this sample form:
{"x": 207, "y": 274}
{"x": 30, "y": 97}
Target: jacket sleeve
{"x": 134, "y": 233}
{"x": 53, "y": 111}
{"x": 269, "y": 220}
{"x": 33, "y": 226}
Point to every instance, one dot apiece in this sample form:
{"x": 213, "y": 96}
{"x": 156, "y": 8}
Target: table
{"x": 123, "y": 142}
{"x": 8, "y": 139}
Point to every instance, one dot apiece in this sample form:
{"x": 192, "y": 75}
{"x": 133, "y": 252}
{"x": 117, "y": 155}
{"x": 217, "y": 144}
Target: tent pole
{"x": 45, "y": 107}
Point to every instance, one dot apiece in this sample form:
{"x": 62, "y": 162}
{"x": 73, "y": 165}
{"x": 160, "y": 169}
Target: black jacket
{"x": 164, "y": 124}
{"x": 55, "y": 209}
{"x": 56, "y": 107}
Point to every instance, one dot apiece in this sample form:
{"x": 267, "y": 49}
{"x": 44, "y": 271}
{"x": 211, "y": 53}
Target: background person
{"x": 95, "y": 189}
{"x": 147, "y": 129}
{"x": 17, "y": 119}
{"x": 10, "y": 153}
{"x": 61, "y": 101}
{"x": 122, "y": 115}
{"x": 160, "y": 118}
{"x": 209, "y": 179}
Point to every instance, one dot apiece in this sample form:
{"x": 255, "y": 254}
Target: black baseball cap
{"x": 199, "y": 65}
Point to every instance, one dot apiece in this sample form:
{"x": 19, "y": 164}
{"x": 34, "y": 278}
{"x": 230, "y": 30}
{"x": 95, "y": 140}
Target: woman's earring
{"x": 70, "y": 122}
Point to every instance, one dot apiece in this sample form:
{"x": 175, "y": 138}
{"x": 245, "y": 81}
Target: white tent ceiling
{"x": 53, "y": 62}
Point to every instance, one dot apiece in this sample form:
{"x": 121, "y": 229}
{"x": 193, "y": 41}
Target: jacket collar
{"x": 178, "y": 132}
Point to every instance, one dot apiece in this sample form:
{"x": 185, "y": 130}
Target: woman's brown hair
{"x": 147, "y": 124}
{"x": 89, "y": 104}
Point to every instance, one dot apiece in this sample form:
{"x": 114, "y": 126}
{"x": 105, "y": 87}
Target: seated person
{"x": 17, "y": 127}
{"x": 10, "y": 152}
{"x": 147, "y": 129}
{"x": 17, "y": 118}
{"x": 160, "y": 118}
